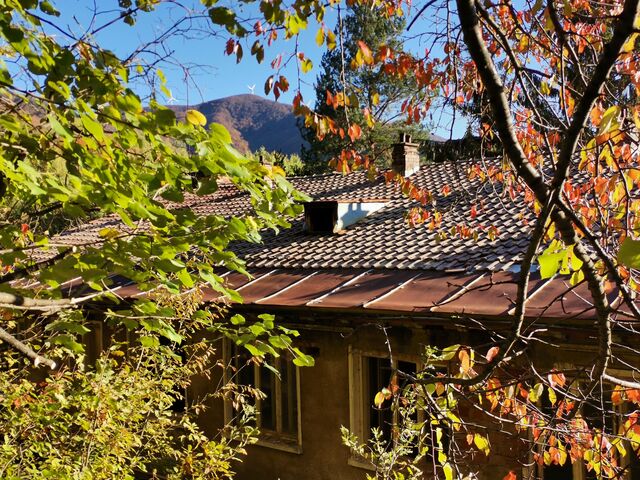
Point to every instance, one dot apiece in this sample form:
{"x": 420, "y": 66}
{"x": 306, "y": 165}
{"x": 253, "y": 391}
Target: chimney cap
{"x": 405, "y": 139}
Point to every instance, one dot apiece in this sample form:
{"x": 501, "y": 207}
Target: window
{"x": 278, "y": 414}
{"x": 369, "y": 373}
{"x": 378, "y": 373}
{"x": 629, "y": 464}
{"x": 614, "y": 417}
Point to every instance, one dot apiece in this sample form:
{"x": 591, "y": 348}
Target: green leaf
{"x": 629, "y": 253}
{"x": 449, "y": 352}
{"x": 301, "y": 359}
{"x": 69, "y": 342}
{"x": 93, "y": 127}
{"x": 149, "y": 341}
{"x": 550, "y": 263}
{"x": 68, "y": 326}
{"x": 223, "y": 16}
{"x": 577, "y": 277}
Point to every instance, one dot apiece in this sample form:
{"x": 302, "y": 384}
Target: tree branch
{"x": 25, "y": 349}
{"x": 9, "y": 300}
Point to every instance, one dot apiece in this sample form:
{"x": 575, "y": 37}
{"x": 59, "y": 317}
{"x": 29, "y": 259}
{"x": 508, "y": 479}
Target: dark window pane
{"x": 268, "y": 403}
{"x": 289, "y": 404}
{"x": 634, "y": 463}
{"x": 244, "y": 369}
{"x": 379, "y": 378}
{"x": 558, "y": 472}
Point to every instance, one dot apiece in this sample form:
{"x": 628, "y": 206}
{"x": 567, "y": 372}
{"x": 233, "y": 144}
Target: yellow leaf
{"x": 636, "y": 119}
{"x": 448, "y": 471}
{"x": 320, "y": 37}
{"x": 630, "y": 43}
{"x": 544, "y": 88}
{"x": 108, "y": 233}
{"x": 482, "y": 443}
{"x": 609, "y": 120}
{"x": 379, "y": 399}
{"x": 331, "y": 40}
{"x": 563, "y": 454}
{"x": 306, "y": 65}
{"x": 194, "y": 117}
{"x": 629, "y": 253}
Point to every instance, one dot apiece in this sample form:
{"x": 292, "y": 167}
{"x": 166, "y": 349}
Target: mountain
{"x": 253, "y": 122}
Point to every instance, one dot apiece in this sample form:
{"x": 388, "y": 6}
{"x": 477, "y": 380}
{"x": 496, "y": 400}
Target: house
{"x": 362, "y": 285}
{"x": 368, "y": 291}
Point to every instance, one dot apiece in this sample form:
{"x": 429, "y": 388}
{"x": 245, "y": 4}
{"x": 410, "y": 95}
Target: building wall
{"x": 325, "y": 403}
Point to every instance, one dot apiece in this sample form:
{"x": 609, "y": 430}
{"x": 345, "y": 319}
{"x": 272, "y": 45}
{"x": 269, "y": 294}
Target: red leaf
{"x": 24, "y": 228}
{"x": 510, "y": 476}
{"x": 231, "y": 45}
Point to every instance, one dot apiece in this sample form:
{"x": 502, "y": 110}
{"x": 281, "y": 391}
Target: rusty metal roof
{"x": 415, "y": 293}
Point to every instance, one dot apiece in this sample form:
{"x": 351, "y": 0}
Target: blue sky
{"x": 211, "y": 73}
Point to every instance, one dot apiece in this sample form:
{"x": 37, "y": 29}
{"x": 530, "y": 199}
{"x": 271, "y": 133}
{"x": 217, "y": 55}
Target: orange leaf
{"x": 367, "y": 56}
{"x": 355, "y": 132}
{"x": 493, "y": 351}
{"x": 465, "y": 361}
{"x": 616, "y": 395}
{"x": 557, "y": 378}
{"x": 634, "y": 396}
{"x": 510, "y": 476}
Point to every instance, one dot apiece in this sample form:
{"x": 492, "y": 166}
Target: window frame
{"x": 274, "y": 439}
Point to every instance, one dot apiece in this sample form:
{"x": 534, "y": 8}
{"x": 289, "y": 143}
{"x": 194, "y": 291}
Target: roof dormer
{"x": 332, "y": 216}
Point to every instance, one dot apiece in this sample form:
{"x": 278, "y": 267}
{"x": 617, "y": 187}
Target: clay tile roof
{"x": 384, "y": 239}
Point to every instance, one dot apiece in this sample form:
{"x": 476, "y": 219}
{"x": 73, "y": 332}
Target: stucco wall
{"x": 325, "y": 406}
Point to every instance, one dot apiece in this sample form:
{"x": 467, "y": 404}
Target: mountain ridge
{"x": 252, "y": 121}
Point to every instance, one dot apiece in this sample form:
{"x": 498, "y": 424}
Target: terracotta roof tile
{"x": 383, "y": 239}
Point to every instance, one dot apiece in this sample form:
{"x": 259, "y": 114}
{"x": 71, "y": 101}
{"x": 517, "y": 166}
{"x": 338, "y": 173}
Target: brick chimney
{"x": 405, "y": 158}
